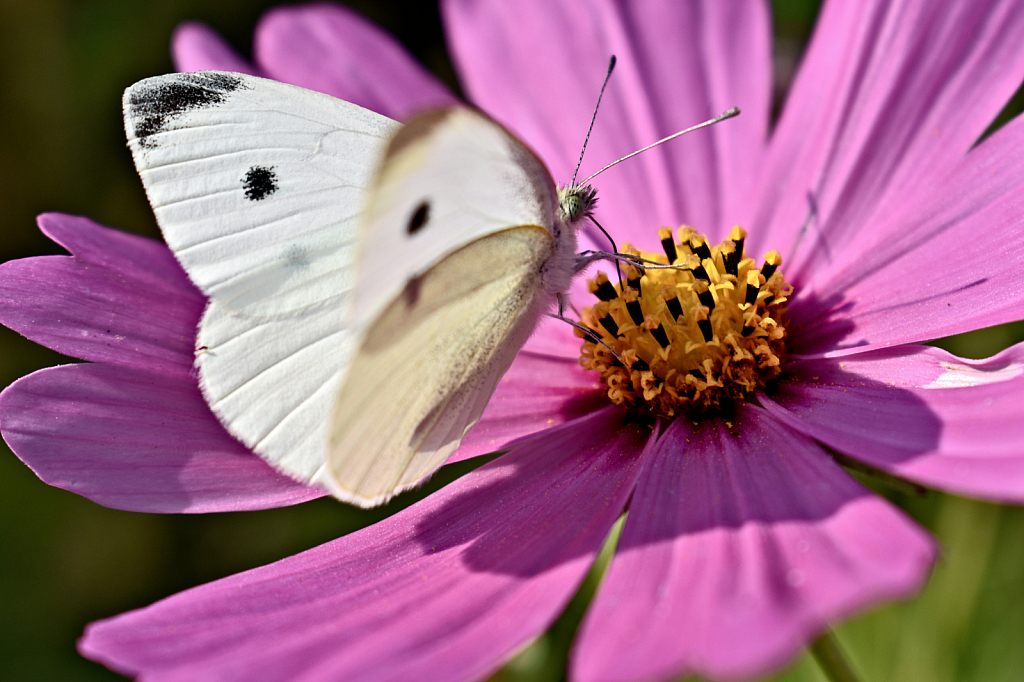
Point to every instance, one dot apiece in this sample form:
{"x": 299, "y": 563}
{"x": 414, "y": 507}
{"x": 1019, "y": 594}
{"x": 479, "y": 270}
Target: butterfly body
{"x": 368, "y": 283}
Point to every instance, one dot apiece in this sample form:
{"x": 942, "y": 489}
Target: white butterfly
{"x": 369, "y": 283}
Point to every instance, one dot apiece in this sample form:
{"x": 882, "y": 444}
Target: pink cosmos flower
{"x": 744, "y": 538}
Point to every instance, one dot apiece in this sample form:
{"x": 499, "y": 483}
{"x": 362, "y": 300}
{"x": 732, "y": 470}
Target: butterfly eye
{"x": 419, "y": 218}
{"x": 571, "y": 207}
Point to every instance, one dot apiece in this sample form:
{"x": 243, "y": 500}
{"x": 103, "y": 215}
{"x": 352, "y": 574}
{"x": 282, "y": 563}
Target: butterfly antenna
{"x": 721, "y": 117}
{"x": 611, "y": 66}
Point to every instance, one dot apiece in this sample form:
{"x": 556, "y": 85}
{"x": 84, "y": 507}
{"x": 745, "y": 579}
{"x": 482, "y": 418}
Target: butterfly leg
{"x": 587, "y": 331}
{"x": 585, "y": 258}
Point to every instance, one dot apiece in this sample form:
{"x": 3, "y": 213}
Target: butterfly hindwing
{"x": 460, "y": 232}
{"x": 430, "y": 362}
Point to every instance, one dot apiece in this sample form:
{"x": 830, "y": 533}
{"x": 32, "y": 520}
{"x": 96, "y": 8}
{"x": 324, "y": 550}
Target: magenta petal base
{"x": 741, "y": 544}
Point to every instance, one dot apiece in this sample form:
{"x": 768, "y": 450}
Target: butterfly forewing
{"x": 448, "y": 177}
{"x": 257, "y": 185}
{"x": 258, "y": 188}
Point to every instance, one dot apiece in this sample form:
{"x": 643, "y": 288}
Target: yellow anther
{"x": 708, "y": 331}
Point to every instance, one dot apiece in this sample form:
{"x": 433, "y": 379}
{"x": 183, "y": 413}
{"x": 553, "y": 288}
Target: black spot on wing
{"x": 418, "y": 219}
{"x": 259, "y": 183}
{"x": 296, "y": 257}
{"x": 155, "y": 103}
{"x": 412, "y": 292}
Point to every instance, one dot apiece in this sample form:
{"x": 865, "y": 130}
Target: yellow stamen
{"x": 710, "y": 331}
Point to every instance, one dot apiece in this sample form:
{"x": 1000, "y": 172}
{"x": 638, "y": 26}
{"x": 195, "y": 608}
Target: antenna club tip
{"x": 735, "y": 111}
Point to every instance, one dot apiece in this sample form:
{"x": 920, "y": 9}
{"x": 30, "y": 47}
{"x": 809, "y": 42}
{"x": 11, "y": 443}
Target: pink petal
{"x": 888, "y": 99}
{"x": 447, "y": 589}
{"x": 333, "y": 49}
{"x": 556, "y": 337}
{"x": 197, "y": 47}
{"x": 537, "y": 66}
{"x": 537, "y": 392}
{"x": 919, "y": 413}
{"x": 950, "y": 264}
{"x": 743, "y": 541}
{"x": 120, "y": 299}
{"x": 137, "y": 440}
{"x": 133, "y": 431}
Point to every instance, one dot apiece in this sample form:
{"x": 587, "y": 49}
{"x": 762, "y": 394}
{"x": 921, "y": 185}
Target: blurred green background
{"x": 66, "y": 561}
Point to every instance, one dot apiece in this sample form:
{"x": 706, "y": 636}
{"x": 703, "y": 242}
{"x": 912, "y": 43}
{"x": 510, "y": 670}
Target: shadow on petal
{"x": 916, "y": 412}
{"x": 743, "y": 540}
{"x": 567, "y": 484}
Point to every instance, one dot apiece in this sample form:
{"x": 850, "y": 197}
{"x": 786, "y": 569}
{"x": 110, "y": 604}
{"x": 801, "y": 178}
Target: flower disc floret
{"x": 697, "y": 335}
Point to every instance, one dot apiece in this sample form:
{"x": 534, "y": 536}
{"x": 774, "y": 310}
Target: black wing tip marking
{"x": 154, "y": 103}
{"x": 259, "y": 183}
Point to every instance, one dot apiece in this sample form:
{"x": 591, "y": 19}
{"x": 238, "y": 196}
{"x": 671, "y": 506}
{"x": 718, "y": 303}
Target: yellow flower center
{"x": 710, "y": 330}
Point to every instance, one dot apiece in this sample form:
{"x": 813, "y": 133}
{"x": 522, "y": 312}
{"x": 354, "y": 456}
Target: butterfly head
{"x": 576, "y": 202}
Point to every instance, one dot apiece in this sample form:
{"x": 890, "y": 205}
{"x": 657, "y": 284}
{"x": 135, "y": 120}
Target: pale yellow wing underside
{"x": 428, "y": 365}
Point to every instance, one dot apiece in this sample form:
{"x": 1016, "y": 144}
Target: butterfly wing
{"x": 463, "y": 250}
{"x": 260, "y": 190}
{"x": 258, "y": 187}
{"x": 431, "y": 361}
{"x": 449, "y": 176}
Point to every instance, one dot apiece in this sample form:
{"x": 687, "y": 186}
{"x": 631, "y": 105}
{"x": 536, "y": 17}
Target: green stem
{"x": 831, "y": 659}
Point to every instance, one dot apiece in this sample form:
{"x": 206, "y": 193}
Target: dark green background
{"x": 66, "y": 561}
